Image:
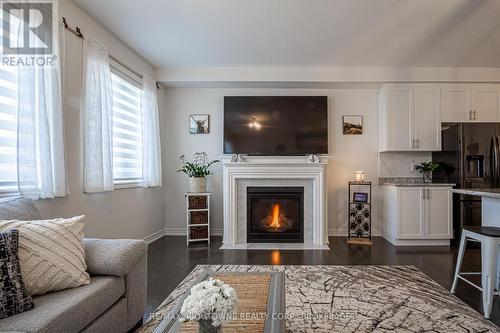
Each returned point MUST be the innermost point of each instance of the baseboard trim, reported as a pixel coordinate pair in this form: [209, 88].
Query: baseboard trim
[219, 232]
[182, 232]
[155, 236]
[343, 233]
[175, 231]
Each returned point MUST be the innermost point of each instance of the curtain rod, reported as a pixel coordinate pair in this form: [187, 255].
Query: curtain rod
[78, 33]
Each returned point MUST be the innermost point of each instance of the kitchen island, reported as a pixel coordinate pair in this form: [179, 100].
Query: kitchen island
[490, 204]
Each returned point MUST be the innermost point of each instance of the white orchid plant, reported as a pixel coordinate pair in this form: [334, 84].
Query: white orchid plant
[211, 300]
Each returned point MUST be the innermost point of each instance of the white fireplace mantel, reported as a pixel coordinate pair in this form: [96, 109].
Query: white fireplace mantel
[275, 169]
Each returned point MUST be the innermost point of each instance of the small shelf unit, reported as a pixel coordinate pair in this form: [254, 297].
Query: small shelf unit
[198, 217]
[359, 213]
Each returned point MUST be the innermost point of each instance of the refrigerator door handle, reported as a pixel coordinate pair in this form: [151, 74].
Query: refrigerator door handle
[492, 161]
[497, 161]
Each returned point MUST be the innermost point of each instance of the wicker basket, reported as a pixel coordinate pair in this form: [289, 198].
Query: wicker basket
[198, 217]
[197, 202]
[199, 232]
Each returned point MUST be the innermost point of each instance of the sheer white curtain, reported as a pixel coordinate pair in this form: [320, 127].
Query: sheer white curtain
[151, 149]
[97, 118]
[40, 137]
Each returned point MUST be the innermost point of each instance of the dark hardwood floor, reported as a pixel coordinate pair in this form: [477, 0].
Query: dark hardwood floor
[170, 260]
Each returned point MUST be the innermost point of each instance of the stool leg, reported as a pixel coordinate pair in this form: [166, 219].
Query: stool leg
[489, 253]
[497, 277]
[460, 258]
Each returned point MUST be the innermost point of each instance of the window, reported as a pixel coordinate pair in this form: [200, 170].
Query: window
[8, 129]
[127, 136]
[8, 126]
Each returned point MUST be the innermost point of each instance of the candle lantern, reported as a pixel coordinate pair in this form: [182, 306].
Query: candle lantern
[359, 176]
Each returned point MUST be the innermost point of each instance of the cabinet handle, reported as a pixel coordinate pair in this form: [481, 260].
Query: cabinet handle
[470, 114]
[474, 112]
[428, 194]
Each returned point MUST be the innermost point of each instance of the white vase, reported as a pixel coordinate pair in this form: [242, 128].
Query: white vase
[198, 184]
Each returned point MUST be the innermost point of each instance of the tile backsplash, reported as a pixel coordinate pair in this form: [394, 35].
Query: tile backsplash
[398, 164]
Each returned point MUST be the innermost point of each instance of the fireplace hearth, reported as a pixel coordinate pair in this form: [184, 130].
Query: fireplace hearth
[275, 214]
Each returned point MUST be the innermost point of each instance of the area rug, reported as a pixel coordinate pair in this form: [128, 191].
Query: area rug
[355, 299]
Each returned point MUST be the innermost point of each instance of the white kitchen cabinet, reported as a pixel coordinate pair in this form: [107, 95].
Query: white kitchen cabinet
[410, 213]
[426, 118]
[455, 104]
[409, 118]
[484, 103]
[470, 103]
[417, 215]
[438, 222]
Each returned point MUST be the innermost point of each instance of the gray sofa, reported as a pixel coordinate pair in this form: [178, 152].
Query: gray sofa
[114, 301]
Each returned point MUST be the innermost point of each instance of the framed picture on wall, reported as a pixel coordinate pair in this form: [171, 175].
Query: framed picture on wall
[352, 125]
[199, 124]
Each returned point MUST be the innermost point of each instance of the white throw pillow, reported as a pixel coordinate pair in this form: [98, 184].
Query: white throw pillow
[51, 252]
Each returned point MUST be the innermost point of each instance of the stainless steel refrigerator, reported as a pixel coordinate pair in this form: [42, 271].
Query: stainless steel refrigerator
[470, 158]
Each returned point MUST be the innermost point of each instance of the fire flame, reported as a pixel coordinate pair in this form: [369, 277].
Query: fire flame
[275, 218]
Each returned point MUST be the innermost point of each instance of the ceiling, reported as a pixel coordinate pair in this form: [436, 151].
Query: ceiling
[305, 33]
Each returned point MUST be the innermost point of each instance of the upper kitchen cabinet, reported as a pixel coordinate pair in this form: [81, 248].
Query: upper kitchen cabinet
[470, 103]
[409, 118]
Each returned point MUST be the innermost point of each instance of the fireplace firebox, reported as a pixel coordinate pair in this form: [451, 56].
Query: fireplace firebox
[275, 214]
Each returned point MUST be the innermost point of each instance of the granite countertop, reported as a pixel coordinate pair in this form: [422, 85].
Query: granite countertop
[410, 182]
[484, 192]
[419, 184]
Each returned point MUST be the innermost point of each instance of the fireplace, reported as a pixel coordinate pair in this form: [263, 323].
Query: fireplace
[275, 214]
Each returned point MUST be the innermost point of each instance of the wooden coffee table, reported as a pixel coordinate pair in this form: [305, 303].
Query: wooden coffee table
[261, 304]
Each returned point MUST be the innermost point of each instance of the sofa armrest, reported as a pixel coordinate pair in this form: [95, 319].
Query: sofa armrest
[113, 256]
[126, 258]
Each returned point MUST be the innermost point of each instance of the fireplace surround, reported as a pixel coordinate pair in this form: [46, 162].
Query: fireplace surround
[289, 171]
[275, 214]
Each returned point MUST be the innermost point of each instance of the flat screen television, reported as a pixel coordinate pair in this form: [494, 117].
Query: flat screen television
[275, 125]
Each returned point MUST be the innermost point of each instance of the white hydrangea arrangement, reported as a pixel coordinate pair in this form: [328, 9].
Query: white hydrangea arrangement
[210, 300]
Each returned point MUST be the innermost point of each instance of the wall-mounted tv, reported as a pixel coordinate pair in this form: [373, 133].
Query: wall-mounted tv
[276, 125]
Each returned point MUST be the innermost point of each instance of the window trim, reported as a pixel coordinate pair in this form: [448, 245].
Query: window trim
[127, 184]
[124, 73]
[8, 194]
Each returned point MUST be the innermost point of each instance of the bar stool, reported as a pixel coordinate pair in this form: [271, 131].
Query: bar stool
[489, 237]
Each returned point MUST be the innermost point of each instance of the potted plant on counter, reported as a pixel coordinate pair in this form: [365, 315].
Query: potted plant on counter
[197, 170]
[426, 168]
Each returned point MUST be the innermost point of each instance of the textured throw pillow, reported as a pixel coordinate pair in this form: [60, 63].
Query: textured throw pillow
[14, 297]
[52, 253]
[18, 208]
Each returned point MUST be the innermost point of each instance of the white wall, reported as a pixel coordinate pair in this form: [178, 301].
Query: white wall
[349, 153]
[125, 213]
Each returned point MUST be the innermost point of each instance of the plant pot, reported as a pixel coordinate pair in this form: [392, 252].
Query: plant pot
[427, 176]
[198, 184]
[205, 326]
